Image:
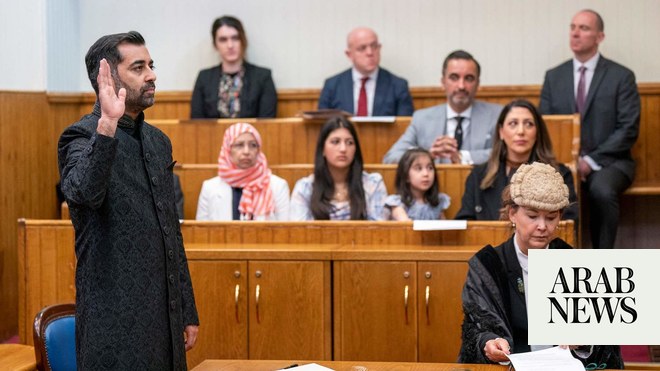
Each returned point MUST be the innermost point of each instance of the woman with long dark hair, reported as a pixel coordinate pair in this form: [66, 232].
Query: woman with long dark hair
[521, 137]
[339, 189]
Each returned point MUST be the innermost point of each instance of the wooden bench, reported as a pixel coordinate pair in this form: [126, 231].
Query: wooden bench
[642, 188]
[451, 180]
[293, 141]
[46, 257]
[312, 275]
[285, 141]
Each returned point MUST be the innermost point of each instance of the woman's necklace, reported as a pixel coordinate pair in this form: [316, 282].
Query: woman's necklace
[341, 193]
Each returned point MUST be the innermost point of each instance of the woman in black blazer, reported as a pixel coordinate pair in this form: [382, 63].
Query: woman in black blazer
[521, 138]
[235, 88]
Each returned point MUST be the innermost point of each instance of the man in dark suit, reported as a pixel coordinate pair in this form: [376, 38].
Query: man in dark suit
[605, 94]
[365, 89]
[459, 131]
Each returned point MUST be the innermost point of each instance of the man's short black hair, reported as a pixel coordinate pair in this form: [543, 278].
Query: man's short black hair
[460, 54]
[106, 47]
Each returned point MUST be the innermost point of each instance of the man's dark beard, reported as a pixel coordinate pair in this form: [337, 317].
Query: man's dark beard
[136, 100]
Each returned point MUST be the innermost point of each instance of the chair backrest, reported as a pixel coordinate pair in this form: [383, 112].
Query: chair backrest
[55, 338]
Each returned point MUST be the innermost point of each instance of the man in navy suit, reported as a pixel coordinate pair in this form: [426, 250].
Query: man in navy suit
[605, 94]
[459, 131]
[366, 89]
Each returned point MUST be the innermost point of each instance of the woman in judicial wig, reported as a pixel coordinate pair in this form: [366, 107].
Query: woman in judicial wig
[495, 292]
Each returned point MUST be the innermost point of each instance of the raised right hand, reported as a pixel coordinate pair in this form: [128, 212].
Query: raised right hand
[112, 103]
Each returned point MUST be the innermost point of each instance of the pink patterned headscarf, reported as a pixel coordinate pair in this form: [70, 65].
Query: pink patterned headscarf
[257, 198]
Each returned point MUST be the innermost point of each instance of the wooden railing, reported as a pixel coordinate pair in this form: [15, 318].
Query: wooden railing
[46, 257]
[293, 140]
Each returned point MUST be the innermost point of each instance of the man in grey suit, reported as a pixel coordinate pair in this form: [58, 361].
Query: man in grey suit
[605, 94]
[459, 131]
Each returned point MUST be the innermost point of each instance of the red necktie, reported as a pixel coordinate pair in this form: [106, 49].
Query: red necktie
[362, 99]
[582, 85]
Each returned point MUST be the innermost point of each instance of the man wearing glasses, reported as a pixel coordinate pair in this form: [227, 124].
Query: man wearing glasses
[366, 89]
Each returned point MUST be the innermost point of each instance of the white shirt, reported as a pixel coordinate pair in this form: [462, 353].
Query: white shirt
[215, 200]
[369, 86]
[452, 123]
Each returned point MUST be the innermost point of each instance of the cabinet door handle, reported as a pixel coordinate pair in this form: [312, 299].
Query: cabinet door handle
[405, 302]
[256, 295]
[428, 294]
[236, 292]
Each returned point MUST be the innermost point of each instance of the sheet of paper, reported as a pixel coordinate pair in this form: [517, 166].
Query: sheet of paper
[309, 367]
[550, 359]
[387, 119]
[439, 225]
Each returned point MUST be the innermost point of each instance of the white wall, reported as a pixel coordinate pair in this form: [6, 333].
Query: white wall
[22, 45]
[63, 46]
[302, 41]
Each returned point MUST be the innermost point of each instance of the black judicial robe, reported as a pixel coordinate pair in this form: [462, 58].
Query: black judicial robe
[494, 306]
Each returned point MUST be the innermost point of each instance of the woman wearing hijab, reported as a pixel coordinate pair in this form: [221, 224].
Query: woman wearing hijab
[245, 188]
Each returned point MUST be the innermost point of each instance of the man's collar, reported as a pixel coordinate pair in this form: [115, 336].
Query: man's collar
[590, 63]
[451, 113]
[125, 121]
[357, 76]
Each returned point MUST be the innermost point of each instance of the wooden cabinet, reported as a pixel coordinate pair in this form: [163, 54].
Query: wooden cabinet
[398, 311]
[289, 310]
[220, 294]
[441, 315]
[374, 321]
[261, 309]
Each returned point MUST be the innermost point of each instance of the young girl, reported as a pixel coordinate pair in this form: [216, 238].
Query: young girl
[418, 196]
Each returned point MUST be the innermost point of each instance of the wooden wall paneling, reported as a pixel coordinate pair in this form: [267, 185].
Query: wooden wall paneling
[233, 235]
[291, 141]
[290, 102]
[27, 165]
[564, 131]
[46, 270]
[646, 155]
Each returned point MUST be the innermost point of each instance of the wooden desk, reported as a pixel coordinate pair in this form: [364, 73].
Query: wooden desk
[17, 357]
[255, 365]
